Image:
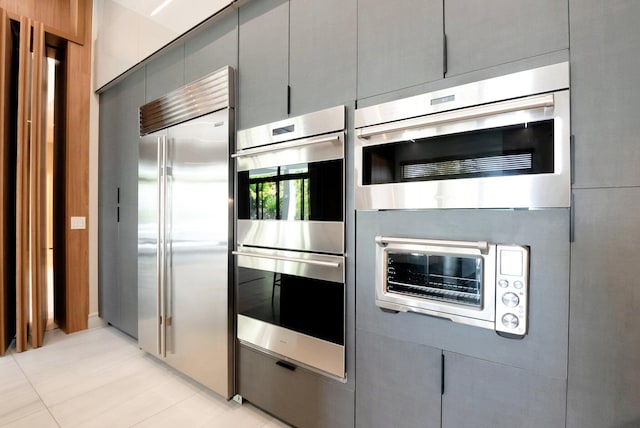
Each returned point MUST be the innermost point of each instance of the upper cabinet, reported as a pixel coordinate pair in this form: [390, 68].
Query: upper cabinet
[483, 34]
[404, 45]
[295, 57]
[400, 44]
[322, 62]
[263, 62]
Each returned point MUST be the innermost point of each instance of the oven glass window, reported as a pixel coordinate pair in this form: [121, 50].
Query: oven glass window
[310, 306]
[309, 191]
[451, 279]
[525, 148]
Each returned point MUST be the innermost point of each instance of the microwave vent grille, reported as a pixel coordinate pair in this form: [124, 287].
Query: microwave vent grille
[484, 165]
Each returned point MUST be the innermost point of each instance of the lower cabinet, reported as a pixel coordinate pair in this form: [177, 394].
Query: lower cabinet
[297, 396]
[483, 394]
[404, 384]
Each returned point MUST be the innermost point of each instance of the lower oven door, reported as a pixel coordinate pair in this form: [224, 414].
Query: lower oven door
[292, 304]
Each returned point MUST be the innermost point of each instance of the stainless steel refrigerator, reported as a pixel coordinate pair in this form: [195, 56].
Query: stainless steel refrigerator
[185, 231]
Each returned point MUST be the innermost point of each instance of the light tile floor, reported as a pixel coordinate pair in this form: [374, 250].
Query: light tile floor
[99, 378]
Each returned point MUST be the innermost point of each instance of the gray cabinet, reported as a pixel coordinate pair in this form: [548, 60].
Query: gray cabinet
[295, 57]
[117, 206]
[296, 395]
[400, 44]
[322, 56]
[483, 394]
[483, 34]
[263, 62]
[605, 95]
[165, 73]
[604, 350]
[399, 383]
[213, 47]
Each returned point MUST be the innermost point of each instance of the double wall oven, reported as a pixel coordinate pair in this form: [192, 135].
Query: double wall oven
[290, 240]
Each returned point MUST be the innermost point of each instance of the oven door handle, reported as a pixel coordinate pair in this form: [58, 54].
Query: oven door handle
[476, 112]
[482, 246]
[289, 259]
[284, 146]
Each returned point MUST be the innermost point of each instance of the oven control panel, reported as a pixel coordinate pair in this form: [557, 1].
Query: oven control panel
[512, 290]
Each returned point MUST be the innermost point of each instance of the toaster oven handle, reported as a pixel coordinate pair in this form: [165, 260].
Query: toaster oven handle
[482, 246]
[288, 259]
[476, 112]
[284, 146]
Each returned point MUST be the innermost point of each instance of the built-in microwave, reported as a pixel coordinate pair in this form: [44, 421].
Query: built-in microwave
[497, 143]
[475, 283]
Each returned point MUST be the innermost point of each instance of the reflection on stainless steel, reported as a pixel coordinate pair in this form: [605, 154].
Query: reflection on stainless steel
[320, 122]
[320, 236]
[184, 232]
[290, 239]
[294, 152]
[315, 353]
[210, 93]
[466, 282]
[515, 85]
[308, 265]
[416, 118]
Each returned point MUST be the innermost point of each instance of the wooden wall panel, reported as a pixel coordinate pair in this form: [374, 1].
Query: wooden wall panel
[64, 18]
[77, 181]
[22, 190]
[7, 295]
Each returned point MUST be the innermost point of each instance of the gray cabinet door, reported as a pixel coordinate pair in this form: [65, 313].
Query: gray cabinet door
[118, 187]
[322, 62]
[399, 383]
[482, 394]
[165, 73]
[482, 34]
[605, 94]
[212, 48]
[263, 62]
[400, 44]
[604, 349]
[296, 395]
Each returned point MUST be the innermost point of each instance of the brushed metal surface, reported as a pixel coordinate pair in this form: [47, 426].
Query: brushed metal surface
[318, 236]
[480, 317]
[308, 125]
[308, 265]
[525, 83]
[317, 149]
[205, 95]
[326, 357]
[149, 207]
[516, 191]
[195, 213]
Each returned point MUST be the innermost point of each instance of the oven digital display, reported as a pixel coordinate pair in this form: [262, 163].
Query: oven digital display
[451, 279]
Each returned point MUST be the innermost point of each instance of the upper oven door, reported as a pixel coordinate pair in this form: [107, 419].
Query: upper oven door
[291, 195]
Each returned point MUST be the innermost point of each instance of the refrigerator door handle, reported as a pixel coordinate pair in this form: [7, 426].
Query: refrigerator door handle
[162, 244]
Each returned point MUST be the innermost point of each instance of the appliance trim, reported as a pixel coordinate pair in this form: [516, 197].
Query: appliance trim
[310, 352]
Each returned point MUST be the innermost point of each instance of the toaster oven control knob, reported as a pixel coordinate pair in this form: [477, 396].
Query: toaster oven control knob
[510, 321]
[518, 285]
[510, 300]
[503, 283]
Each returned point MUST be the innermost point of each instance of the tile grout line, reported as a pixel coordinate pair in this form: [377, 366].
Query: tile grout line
[13, 354]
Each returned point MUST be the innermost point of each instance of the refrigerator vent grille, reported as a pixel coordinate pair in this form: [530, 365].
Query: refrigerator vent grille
[206, 95]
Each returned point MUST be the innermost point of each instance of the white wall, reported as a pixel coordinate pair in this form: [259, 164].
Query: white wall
[128, 31]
